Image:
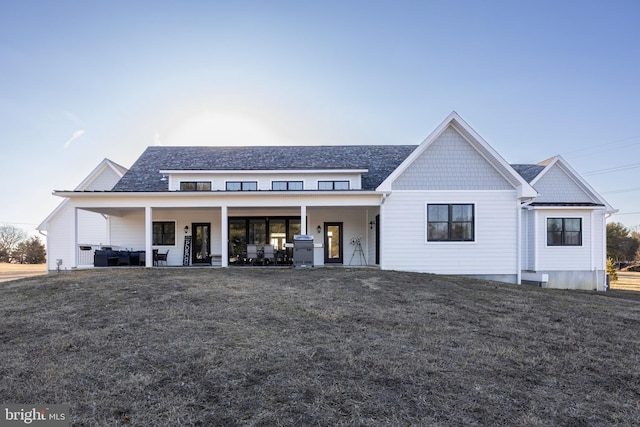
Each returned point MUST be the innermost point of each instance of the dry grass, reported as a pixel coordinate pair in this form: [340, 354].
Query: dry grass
[18, 271]
[627, 280]
[317, 347]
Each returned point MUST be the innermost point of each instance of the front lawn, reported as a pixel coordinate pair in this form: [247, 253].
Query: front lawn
[179, 347]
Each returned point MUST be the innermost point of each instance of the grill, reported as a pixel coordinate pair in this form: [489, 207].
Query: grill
[303, 250]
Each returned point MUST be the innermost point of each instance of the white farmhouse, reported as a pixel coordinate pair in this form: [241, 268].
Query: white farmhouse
[451, 205]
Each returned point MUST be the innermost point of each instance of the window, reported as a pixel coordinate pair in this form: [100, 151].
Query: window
[564, 231]
[242, 186]
[286, 185]
[333, 185]
[195, 186]
[450, 223]
[164, 233]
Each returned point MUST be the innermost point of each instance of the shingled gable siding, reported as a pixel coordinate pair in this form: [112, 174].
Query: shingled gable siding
[450, 163]
[556, 186]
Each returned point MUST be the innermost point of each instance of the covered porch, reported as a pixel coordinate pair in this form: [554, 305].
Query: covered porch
[232, 234]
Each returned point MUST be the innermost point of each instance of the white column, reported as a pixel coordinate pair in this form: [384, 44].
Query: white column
[148, 236]
[519, 243]
[75, 239]
[303, 219]
[224, 232]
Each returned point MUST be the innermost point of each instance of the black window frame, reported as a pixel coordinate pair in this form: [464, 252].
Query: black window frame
[562, 236]
[287, 185]
[451, 235]
[243, 185]
[197, 185]
[333, 185]
[166, 236]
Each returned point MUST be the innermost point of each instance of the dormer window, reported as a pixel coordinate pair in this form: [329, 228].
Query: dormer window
[195, 186]
[286, 185]
[242, 186]
[333, 185]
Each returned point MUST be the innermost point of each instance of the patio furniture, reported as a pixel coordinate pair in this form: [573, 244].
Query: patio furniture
[159, 257]
[252, 254]
[269, 255]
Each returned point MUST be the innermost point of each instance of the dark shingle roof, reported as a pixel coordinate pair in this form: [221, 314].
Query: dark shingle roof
[528, 172]
[380, 160]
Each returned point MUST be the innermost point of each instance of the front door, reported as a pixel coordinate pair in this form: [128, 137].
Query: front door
[201, 246]
[333, 242]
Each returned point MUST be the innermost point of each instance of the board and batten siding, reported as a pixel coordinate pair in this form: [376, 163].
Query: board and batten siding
[493, 251]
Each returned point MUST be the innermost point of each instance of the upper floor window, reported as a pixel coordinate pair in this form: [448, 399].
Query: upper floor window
[242, 186]
[564, 231]
[451, 222]
[195, 186]
[164, 233]
[286, 185]
[333, 185]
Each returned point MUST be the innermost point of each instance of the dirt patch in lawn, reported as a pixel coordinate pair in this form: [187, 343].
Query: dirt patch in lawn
[317, 347]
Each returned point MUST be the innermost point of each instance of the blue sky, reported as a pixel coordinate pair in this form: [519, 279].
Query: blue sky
[82, 81]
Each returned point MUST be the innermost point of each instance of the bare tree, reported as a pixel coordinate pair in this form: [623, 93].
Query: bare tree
[10, 237]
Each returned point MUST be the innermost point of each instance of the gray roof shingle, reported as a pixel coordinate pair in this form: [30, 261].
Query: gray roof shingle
[528, 172]
[380, 160]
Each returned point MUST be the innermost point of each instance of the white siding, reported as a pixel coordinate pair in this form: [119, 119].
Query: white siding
[451, 163]
[564, 257]
[127, 231]
[104, 181]
[60, 240]
[354, 224]
[494, 251]
[310, 182]
[92, 228]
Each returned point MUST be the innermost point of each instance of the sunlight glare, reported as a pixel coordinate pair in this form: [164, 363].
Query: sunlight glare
[222, 129]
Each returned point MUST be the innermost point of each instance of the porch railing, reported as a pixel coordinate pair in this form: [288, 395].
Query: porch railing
[87, 250]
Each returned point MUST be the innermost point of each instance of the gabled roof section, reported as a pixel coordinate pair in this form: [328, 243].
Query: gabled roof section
[478, 143]
[95, 174]
[558, 163]
[379, 160]
[92, 180]
[528, 172]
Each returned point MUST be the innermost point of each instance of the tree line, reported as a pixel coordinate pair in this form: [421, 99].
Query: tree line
[623, 244]
[17, 247]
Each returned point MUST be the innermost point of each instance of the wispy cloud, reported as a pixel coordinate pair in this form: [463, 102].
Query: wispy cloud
[156, 138]
[77, 134]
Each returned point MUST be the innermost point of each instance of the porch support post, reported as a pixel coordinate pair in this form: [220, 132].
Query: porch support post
[75, 239]
[518, 243]
[224, 232]
[303, 219]
[148, 233]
